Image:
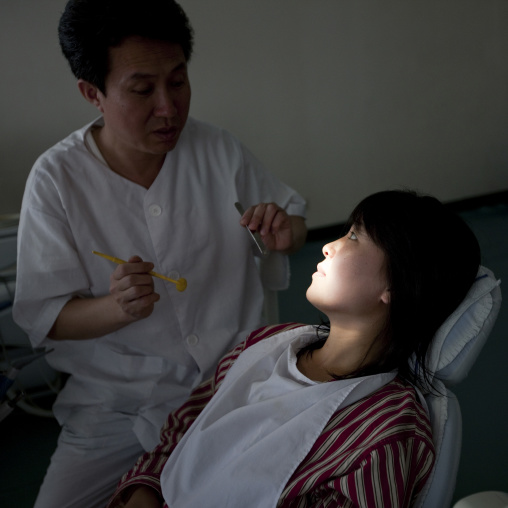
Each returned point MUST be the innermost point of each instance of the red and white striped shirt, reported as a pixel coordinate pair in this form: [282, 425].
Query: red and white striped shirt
[377, 452]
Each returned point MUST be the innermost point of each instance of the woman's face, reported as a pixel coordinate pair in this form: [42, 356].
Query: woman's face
[351, 282]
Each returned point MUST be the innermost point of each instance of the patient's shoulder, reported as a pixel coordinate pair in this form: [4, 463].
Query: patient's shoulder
[394, 412]
[269, 331]
[254, 337]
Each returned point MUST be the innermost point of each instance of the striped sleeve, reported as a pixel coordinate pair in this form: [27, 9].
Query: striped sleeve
[388, 476]
[375, 453]
[149, 466]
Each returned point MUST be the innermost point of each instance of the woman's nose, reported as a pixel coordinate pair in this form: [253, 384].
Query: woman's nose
[328, 250]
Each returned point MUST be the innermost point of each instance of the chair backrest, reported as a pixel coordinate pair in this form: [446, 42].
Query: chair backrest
[8, 238]
[487, 499]
[454, 350]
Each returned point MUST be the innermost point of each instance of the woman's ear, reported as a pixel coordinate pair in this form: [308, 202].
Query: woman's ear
[386, 296]
[91, 93]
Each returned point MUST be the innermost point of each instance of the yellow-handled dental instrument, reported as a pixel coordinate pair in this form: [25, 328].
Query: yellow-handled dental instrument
[181, 284]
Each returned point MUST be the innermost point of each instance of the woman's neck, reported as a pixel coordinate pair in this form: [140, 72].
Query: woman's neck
[344, 352]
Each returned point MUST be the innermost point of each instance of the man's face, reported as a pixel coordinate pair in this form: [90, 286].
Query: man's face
[147, 97]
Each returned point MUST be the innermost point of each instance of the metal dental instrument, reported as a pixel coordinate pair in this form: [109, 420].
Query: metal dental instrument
[254, 234]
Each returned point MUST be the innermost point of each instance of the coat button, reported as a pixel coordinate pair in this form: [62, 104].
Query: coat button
[155, 210]
[192, 340]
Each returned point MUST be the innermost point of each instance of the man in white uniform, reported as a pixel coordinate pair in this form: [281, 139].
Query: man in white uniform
[147, 184]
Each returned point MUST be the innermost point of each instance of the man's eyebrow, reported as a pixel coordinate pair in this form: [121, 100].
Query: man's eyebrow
[138, 76]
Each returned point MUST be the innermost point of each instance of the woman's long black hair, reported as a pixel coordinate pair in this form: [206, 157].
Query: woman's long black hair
[432, 259]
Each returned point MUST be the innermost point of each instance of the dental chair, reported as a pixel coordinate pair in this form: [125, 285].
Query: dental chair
[34, 378]
[488, 499]
[455, 348]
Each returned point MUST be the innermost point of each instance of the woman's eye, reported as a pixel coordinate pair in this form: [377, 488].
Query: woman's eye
[352, 235]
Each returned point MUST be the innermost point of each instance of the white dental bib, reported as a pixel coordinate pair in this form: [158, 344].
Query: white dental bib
[260, 425]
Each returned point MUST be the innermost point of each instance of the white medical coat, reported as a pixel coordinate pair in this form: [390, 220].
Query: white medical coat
[187, 225]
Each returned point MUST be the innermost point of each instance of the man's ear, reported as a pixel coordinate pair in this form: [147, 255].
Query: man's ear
[91, 93]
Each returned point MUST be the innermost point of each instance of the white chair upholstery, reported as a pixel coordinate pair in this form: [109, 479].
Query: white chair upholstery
[489, 499]
[454, 350]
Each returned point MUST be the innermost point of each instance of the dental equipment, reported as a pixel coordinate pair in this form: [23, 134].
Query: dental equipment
[254, 234]
[7, 378]
[181, 284]
[7, 406]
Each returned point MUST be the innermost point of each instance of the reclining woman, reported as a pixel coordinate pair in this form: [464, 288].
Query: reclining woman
[307, 416]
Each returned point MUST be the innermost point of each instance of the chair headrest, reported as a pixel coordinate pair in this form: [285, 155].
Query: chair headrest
[461, 337]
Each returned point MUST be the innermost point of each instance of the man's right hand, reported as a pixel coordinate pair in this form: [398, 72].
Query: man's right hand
[133, 289]
[132, 297]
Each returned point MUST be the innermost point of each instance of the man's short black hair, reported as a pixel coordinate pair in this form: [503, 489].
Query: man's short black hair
[88, 28]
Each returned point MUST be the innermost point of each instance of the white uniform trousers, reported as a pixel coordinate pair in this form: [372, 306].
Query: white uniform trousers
[84, 470]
